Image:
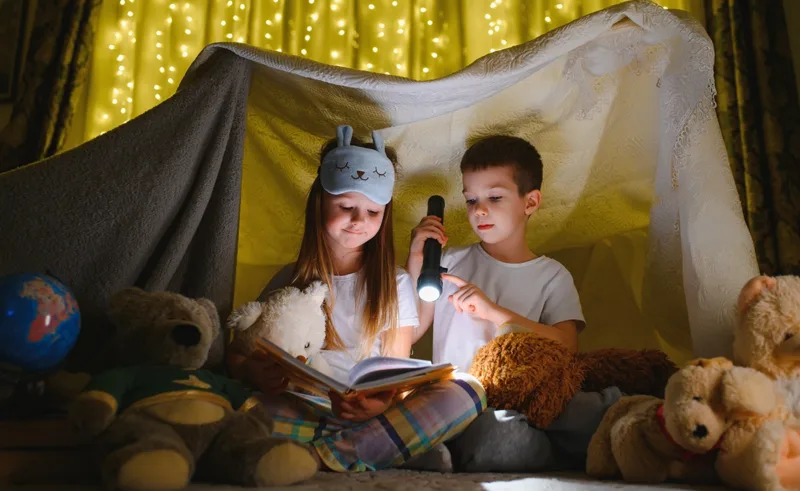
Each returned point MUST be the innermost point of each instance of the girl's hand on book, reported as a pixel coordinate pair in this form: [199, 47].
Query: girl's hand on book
[267, 375]
[361, 408]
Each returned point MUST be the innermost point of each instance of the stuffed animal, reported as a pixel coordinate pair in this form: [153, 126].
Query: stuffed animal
[290, 318]
[761, 452]
[160, 419]
[647, 439]
[538, 376]
[764, 453]
[767, 333]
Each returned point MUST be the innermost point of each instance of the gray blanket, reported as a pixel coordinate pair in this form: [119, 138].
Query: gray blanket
[153, 203]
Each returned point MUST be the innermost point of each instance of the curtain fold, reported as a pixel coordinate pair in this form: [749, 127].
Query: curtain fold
[55, 68]
[757, 107]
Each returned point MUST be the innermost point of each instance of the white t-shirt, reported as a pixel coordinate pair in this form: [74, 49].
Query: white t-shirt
[347, 316]
[540, 289]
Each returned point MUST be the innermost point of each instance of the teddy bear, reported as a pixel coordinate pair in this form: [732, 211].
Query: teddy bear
[538, 376]
[764, 453]
[760, 452]
[291, 318]
[647, 439]
[767, 332]
[159, 418]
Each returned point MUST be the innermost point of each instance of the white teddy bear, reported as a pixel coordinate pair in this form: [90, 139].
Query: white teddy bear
[290, 318]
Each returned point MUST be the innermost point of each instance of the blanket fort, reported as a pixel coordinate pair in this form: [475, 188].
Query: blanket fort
[204, 194]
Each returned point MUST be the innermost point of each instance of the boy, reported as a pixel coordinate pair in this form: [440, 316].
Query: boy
[498, 285]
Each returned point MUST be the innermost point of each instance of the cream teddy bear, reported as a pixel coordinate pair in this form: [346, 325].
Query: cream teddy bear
[759, 453]
[647, 439]
[767, 335]
[764, 454]
[291, 318]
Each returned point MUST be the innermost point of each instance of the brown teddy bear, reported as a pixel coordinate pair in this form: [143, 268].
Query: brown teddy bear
[538, 376]
[647, 439]
[160, 418]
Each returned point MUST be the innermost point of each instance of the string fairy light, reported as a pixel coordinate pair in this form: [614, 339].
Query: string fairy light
[121, 51]
[160, 59]
[176, 36]
[497, 29]
[410, 38]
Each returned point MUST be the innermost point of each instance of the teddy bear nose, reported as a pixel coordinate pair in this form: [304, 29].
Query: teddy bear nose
[700, 431]
[360, 173]
[186, 335]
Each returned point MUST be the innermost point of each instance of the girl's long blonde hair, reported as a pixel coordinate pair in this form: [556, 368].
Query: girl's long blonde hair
[377, 279]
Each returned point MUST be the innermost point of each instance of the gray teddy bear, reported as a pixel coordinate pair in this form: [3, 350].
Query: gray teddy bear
[161, 418]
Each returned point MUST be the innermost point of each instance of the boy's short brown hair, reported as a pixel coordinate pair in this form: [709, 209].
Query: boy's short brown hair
[500, 150]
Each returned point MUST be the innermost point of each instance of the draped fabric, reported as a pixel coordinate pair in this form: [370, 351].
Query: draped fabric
[639, 201]
[204, 193]
[144, 47]
[760, 119]
[153, 204]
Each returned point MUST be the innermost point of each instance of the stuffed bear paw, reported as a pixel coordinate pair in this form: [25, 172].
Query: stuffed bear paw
[767, 461]
[91, 415]
[154, 470]
[788, 467]
[285, 463]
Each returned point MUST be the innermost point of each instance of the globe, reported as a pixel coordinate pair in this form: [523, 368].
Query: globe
[39, 322]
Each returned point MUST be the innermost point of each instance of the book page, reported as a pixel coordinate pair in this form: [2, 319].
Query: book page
[406, 381]
[307, 378]
[380, 367]
[300, 373]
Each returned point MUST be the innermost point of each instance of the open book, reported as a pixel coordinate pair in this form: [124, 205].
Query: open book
[369, 376]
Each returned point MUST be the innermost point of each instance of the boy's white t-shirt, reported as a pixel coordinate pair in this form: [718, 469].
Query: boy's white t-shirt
[347, 316]
[540, 289]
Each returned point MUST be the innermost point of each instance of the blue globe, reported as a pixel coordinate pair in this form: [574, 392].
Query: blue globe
[39, 322]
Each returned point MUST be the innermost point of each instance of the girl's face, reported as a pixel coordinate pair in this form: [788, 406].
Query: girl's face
[350, 220]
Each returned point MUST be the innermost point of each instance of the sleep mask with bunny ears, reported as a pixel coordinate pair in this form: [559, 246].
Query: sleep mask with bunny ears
[349, 168]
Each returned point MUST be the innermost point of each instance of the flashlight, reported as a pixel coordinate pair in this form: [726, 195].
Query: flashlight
[429, 285]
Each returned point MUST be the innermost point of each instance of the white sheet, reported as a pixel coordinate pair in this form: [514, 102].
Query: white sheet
[639, 201]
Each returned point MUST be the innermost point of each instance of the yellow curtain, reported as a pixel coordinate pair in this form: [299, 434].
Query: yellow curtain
[143, 47]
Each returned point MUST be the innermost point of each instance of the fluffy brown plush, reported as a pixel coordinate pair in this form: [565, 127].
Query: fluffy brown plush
[538, 376]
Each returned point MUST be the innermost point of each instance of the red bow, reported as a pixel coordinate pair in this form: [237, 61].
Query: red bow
[686, 455]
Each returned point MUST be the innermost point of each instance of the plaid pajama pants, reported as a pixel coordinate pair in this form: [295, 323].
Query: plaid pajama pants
[425, 418]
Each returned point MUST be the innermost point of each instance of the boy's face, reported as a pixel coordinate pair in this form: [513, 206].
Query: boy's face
[495, 209]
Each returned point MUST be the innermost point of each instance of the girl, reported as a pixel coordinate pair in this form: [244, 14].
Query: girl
[371, 310]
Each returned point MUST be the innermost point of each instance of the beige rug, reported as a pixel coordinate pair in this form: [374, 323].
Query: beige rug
[401, 480]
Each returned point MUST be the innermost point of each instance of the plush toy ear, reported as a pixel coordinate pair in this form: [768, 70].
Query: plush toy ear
[380, 146]
[245, 316]
[211, 310]
[752, 290]
[318, 290]
[344, 134]
[124, 305]
[747, 393]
